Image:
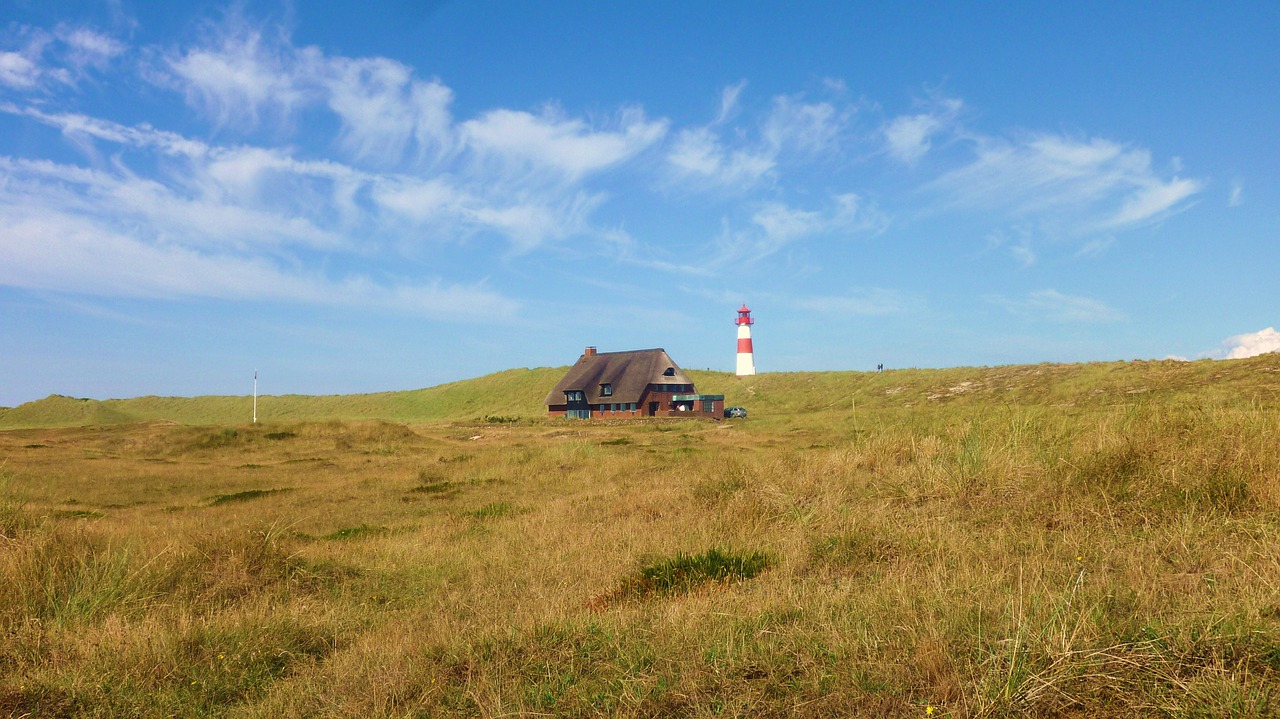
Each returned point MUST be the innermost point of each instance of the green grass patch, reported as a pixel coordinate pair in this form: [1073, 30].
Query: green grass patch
[441, 488]
[493, 510]
[363, 531]
[685, 573]
[245, 496]
[78, 514]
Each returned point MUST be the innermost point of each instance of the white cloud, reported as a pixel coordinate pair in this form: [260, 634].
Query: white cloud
[1236, 198]
[908, 136]
[65, 253]
[717, 156]
[1055, 306]
[803, 127]
[729, 102]
[18, 71]
[89, 49]
[698, 155]
[1252, 344]
[242, 76]
[1095, 247]
[506, 171]
[867, 302]
[421, 201]
[58, 59]
[153, 209]
[1066, 186]
[1023, 253]
[775, 226]
[568, 146]
[1017, 241]
[384, 110]
[530, 223]
[141, 136]
[1150, 202]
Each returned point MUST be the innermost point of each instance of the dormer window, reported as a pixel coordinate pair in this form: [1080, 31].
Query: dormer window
[606, 390]
[669, 372]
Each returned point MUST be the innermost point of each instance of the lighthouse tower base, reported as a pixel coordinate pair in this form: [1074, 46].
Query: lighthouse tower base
[746, 354]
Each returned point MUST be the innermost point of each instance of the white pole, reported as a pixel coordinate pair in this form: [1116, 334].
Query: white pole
[255, 396]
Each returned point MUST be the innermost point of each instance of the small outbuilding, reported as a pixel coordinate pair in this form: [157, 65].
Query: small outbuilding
[632, 384]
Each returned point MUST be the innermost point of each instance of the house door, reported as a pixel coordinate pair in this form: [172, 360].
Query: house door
[653, 409]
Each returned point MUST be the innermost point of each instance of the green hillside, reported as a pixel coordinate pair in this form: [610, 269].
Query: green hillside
[794, 395]
[516, 392]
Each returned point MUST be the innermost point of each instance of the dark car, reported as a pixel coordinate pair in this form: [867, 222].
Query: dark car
[735, 412]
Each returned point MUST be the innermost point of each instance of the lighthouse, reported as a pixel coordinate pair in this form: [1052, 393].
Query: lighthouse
[746, 356]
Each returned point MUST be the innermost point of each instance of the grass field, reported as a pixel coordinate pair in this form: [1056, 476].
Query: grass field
[1049, 540]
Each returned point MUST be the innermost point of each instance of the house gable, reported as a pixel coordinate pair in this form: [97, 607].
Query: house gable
[634, 384]
[619, 377]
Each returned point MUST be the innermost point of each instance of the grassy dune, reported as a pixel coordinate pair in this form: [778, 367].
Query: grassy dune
[787, 396]
[513, 392]
[1052, 540]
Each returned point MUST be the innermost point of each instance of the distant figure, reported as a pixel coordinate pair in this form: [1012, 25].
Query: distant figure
[880, 368]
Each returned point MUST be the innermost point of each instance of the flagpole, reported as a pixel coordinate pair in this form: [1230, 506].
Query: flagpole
[255, 396]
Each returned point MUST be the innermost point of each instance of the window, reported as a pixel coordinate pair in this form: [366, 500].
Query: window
[606, 390]
[574, 395]
[669, 372]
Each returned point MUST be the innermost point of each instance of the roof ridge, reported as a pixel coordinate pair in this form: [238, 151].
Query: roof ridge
[627, 352]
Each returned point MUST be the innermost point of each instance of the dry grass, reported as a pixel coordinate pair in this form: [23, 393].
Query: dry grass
[979, 556]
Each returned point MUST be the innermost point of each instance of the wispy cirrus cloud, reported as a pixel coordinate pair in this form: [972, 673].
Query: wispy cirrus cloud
[1066, 187]
[1054, 306]
[775, 226]
[87, 49]
[521, 142]
[866, 302]
[17, 70]
[1236, 196]
[47, 249]
[242, 76]
[699, 156]
[720, 156]
[385, 111]
[909, 137]
[79, 126]
[45, 60]
[514, 173]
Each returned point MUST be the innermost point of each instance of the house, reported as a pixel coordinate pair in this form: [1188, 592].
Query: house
[637, 383]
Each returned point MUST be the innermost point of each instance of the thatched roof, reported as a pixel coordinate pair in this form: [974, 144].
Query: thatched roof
[628, 372]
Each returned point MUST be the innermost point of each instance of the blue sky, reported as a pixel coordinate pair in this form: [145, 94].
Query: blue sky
[393, 195]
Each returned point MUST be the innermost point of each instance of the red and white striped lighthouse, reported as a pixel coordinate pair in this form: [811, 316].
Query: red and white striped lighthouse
[746, 355]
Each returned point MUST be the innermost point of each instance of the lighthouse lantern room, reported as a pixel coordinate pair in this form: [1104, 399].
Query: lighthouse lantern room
[746, 355]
